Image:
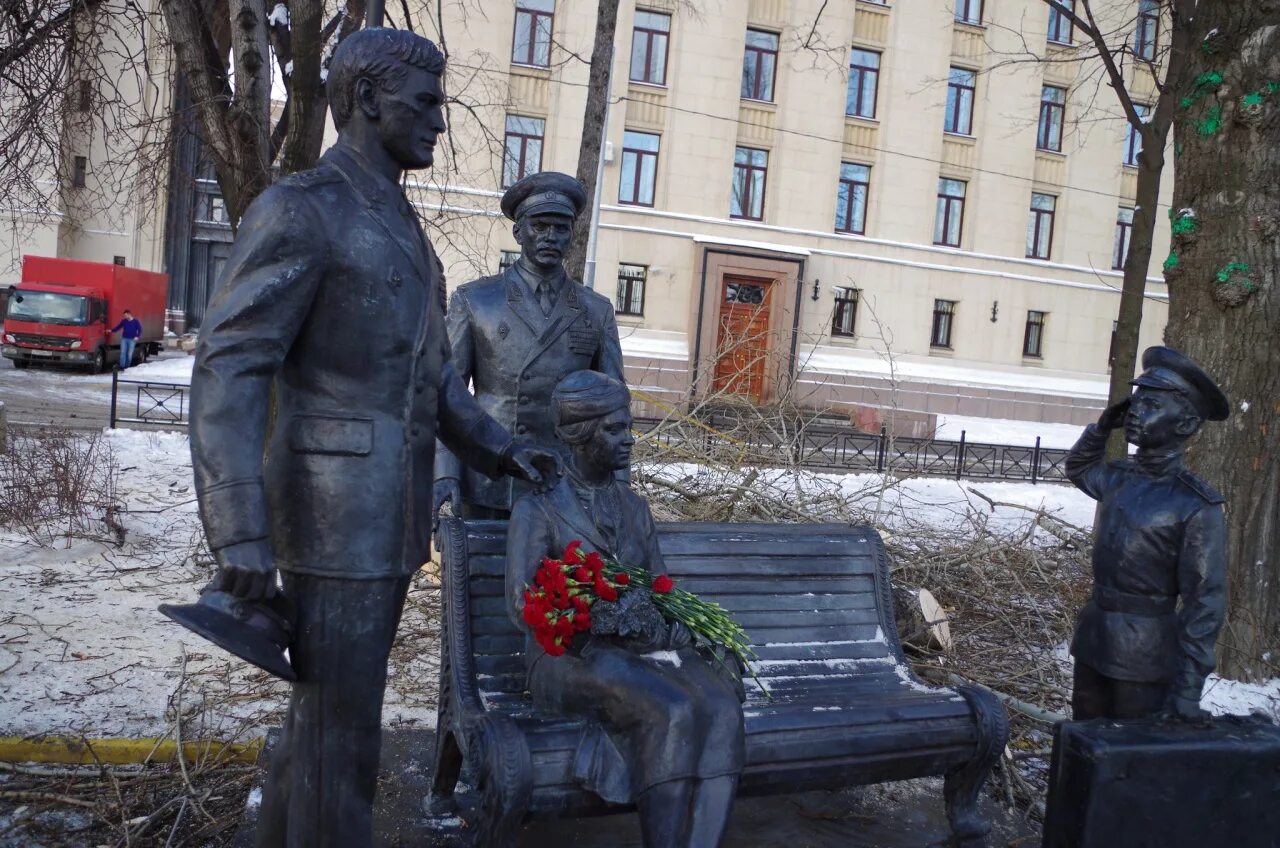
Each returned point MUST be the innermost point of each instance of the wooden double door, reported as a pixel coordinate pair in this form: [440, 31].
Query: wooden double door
[742, 338]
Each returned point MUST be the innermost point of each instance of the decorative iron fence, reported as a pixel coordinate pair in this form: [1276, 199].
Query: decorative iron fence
[163, 404]
[827, 447]
[823, 446]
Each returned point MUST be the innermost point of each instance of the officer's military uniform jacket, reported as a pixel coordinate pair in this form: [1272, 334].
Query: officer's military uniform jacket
[330, 296]
[1159, 562]
[514, 355]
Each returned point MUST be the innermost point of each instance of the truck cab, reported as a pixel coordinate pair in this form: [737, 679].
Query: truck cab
[56, 322]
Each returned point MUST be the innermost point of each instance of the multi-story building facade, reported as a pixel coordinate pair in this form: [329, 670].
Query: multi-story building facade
[855, 204]
[823, 188]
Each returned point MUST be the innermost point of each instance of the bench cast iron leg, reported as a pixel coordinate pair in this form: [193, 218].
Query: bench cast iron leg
[444, 775]
[505, 772]
[963, 783]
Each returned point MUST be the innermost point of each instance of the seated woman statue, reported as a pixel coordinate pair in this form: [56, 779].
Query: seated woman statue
[669, 736]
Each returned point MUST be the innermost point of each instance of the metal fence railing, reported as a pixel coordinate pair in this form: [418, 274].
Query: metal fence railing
[829, 447]
[148, 402]
[823, 446]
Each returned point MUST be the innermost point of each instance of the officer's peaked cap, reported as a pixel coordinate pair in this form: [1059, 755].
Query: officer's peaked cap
[1168, 370]
[548, 192]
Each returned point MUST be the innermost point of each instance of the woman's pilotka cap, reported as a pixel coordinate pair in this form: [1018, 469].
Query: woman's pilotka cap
[585, 395]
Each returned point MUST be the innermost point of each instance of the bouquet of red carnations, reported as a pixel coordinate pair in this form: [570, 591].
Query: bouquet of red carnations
[558, 604]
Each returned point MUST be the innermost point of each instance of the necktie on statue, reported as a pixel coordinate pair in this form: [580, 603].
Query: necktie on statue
[544, 298]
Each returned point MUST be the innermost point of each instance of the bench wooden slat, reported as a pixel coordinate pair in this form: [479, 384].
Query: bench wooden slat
[487, 586]
[867, 741]
[489, 537]
[840, 650]
[726, 565]
[481, 605]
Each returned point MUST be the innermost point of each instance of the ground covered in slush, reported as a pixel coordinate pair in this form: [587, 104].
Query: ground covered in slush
[97, 529]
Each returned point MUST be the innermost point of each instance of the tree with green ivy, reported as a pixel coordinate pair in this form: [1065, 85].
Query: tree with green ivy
[1224, 304]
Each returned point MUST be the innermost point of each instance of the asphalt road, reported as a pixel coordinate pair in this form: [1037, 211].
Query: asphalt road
[59, 397]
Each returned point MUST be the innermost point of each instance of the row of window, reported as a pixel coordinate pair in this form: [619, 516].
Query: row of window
[638, 177]
[942, 331]
[651, 34]
[629, 300]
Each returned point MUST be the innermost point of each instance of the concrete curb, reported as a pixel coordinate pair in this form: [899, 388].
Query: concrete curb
[75, 750]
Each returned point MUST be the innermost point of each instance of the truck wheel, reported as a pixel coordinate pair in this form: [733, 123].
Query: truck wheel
[99, 362]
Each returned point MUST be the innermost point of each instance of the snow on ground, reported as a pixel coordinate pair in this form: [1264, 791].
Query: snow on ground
[827, 359]
[1005, 431]
[169, 369]
[83, 648]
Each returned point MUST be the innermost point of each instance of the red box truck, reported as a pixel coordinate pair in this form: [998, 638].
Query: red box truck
[63, 309]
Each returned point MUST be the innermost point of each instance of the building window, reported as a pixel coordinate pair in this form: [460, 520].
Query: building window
[523, 149]
[1133, 138]
[950, 215]
[1040, 226]
[969, 12]
[759, 63]
[851, 198]
[845, 319]
[750, 167]
[1111, 349]
[1033, 338]
[1061, 29]
[1124, 230]
[1148, 32]
[532, 42]
[506, 259]
[1053, 102]
[631, 280]
[864, 80]
[649, 47]
[960, 85]
[118, 260]
[80, 172]
[944, 313]
[215, 211]
[639, 168]
[86, 95]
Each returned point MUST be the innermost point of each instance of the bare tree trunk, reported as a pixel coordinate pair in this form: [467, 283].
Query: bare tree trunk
[593, 130]
[1224, 300]
[1133, 290]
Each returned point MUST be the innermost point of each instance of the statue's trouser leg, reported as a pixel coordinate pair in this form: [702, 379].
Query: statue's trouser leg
[1090, 693]
[1138, 700]
[664, 813]
[324, 774]
[712, 804]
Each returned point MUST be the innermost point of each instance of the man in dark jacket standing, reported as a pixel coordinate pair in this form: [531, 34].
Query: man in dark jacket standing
[515, 335]
[339, 498]
[130, 330]
[1160, 538]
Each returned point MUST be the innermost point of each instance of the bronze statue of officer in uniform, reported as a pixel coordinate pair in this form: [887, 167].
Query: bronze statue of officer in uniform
[516, 334]
[1160, 539]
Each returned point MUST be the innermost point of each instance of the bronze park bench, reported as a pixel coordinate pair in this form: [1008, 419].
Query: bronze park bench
[815, 600]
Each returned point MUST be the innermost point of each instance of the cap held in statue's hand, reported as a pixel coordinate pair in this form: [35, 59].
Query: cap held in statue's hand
[545, 193]
[1168, 370]
[258, 632]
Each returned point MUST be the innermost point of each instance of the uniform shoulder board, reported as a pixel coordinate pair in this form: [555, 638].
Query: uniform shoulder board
[1200, 487]
[311, 177]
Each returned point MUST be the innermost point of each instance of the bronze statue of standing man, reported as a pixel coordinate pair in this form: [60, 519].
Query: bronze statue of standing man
[515, 335]
[330, 298]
